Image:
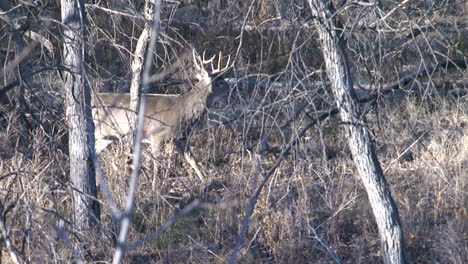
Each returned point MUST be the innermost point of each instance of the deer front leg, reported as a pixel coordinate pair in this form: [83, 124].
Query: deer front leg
[155, 145]
[184, 149]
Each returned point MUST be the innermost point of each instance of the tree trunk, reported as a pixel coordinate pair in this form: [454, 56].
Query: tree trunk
[359, 139]
[137, 66]
[79, 118]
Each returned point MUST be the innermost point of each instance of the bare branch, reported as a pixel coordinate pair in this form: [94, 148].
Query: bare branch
[189, 208]
[128, 212]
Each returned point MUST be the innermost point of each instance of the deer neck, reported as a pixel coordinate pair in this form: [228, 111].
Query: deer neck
[195, 100]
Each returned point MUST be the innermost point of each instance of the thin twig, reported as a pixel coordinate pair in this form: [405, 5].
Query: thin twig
[61, 234]
[116, 213]
[6, 238]
[332, 254]
[253, 199]
[128, 212]
[189, 208]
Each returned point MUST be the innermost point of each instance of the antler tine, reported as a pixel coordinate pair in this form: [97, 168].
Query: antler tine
[205, 61]
[196, 59]
[218, 68]
[200, 62]
[219, 59]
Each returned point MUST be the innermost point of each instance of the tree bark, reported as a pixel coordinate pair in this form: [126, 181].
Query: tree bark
[359, 138]
[79, 117]
[137, 65]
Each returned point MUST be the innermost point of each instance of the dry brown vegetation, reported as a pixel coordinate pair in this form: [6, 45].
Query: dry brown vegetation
[313, 207]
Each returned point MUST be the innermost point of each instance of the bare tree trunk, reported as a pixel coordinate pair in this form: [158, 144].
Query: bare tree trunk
[359, 139]
[79, 118]
[137, 65]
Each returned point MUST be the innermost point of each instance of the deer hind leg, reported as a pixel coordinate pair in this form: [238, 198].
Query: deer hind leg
[101, 144]
[183, 148]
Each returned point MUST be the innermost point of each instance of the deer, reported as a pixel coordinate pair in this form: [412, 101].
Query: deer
[167, 117]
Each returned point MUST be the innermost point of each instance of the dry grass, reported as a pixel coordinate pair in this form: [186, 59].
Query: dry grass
[313, 199]
[427, 169]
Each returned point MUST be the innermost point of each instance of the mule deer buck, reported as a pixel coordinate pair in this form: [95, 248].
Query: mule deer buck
[167, 117]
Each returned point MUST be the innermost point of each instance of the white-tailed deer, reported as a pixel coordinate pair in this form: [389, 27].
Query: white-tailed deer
[167, 117]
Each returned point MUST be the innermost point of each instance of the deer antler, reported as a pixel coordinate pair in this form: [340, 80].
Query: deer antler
[199, 62]
[218, 68]
[205, 61]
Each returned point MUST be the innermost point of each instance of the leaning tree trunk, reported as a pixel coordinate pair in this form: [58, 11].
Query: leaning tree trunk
[137, 65]
[78, 113]
[359, 139]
